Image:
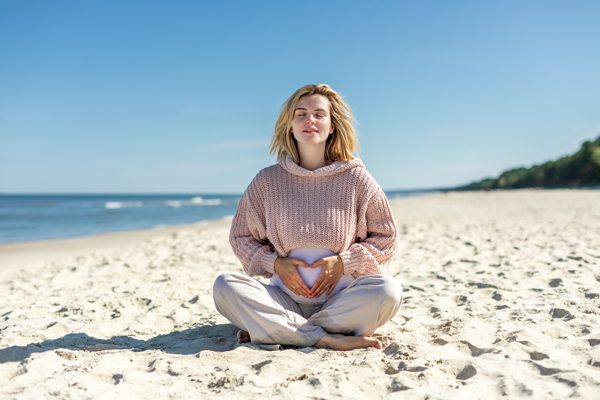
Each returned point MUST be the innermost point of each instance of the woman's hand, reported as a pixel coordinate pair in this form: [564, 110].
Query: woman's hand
[332, 272]
[286, 269]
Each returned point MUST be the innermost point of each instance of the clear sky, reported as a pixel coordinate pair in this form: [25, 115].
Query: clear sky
[182, 96]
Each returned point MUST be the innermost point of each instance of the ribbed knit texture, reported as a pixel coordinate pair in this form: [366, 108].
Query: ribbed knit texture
[338, 207]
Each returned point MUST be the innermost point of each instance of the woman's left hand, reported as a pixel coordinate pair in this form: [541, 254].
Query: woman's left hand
[332, 272]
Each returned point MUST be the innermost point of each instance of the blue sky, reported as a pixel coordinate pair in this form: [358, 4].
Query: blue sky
[182, 96]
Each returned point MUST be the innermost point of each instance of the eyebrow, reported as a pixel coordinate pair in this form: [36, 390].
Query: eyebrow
[302, 108]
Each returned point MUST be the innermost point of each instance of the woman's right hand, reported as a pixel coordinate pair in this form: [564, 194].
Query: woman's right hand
[285, 268]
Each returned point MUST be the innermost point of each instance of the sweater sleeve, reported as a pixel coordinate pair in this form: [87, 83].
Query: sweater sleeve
[370, 255]
[248, 235]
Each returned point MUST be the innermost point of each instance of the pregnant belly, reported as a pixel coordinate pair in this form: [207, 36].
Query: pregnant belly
[310, 255]
[310, 275]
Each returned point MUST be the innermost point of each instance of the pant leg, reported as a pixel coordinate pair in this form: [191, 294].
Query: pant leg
[265, 311]
[366, 304]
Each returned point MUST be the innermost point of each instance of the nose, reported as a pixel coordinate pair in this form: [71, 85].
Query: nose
[309, 119]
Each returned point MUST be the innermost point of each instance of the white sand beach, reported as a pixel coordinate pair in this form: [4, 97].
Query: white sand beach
[502, 299]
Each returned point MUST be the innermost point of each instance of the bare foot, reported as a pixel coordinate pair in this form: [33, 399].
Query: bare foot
[344, 342]
[243, 336]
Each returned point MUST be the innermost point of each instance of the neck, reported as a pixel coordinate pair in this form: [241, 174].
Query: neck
[312, 157]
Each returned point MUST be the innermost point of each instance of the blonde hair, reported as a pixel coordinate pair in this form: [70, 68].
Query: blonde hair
[339, 146]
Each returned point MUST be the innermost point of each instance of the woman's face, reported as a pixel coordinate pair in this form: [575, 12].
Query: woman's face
[312, 120]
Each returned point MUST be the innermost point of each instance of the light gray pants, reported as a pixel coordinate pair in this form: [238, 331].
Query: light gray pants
[272, 317]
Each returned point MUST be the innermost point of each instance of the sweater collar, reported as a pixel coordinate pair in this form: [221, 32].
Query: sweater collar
[288, 164]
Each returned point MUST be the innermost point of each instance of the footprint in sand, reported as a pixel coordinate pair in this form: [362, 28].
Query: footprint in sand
[545, 371]
[63, 312]
[391, 349]
[151, 367]
[5, 316]
[391, 370]
[395, 351]
[537, 356]
[258, 366]
[561, 313]
[397, 386]
[467, 372]
[555, 282]
[461, 300]
[476, 351]
[567, 382]
[117, 378]
[416, 368]
[594, 363]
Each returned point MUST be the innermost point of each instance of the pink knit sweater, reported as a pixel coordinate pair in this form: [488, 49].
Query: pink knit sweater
[338, 207]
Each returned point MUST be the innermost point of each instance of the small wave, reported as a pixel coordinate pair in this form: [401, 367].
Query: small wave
[196, 201]
[206, 202]
[113, 205]
[175, 203]
[213, 202]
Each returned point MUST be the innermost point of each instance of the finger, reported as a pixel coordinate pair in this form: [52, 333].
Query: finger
[298, 262]
[302, 289]
[324, 289]
[299, 287]
[295, 280]
[294, 288]
[330, 290]
[318, 283]
[326, 281]
[291, 284]
[319, 286]
[324, 276]
[316, 264]
[305, 289]
[299, 282]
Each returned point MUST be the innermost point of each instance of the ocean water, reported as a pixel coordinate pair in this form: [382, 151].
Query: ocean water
[40, 217]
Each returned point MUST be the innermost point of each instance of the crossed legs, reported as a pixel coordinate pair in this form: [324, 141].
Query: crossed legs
[345, 321]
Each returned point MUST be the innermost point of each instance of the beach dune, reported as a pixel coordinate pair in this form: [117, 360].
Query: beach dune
[502, 299]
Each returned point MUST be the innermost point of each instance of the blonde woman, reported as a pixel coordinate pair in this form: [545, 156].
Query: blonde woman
[319, 226]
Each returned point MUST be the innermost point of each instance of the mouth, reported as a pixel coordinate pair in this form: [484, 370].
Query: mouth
[310, 131]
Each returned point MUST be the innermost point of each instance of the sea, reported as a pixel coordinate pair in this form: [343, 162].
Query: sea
[30, 217]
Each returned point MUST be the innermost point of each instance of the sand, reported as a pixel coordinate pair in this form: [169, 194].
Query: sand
[501, 300]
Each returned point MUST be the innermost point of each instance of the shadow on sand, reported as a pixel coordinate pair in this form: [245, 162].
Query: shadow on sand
[189, 341]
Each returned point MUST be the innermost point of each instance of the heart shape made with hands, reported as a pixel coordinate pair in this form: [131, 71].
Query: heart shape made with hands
[309, 255]
[310, 275]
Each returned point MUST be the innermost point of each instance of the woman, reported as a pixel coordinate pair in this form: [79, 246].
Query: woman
[321, 228]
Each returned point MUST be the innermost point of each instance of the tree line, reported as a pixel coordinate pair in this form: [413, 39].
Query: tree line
[581, 169]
